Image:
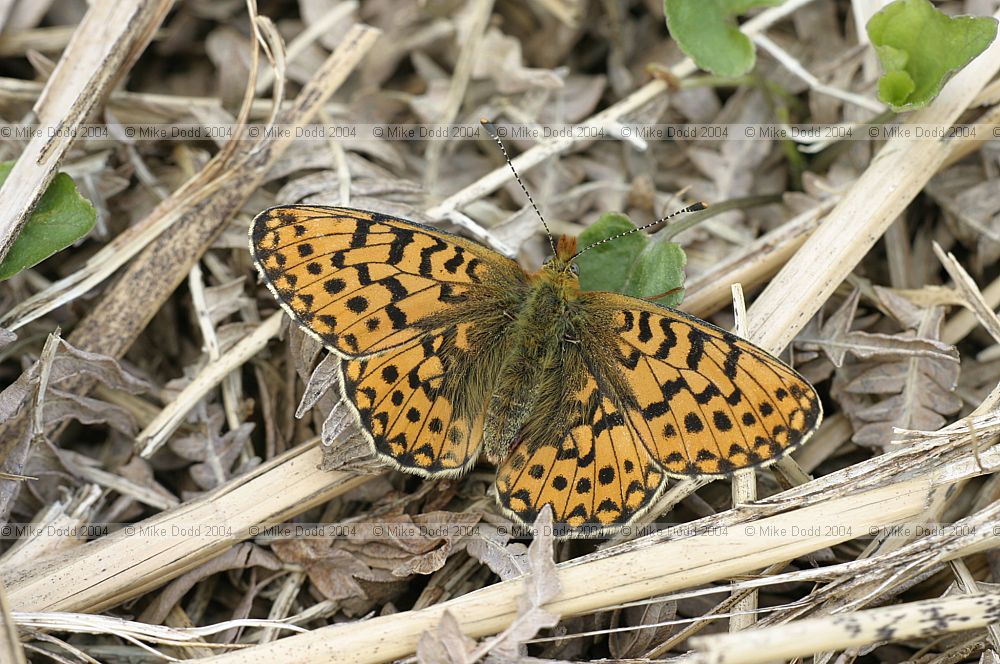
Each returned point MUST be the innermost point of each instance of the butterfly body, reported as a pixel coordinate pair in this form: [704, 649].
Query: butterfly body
[585, 401]
[529, 375]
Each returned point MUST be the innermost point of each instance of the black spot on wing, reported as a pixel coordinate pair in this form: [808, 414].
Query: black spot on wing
[358, 304]
[693, 423]
[628, 323]
[731, 365]
[606, 422]
[360, 236]
[470, 270]
[402, 239]
[455, 262]
[722, 421]
[426, 268]
[710, 392]
[396, 316]
[645, 333]
[669, 340]
[632, 360]
[395, 287]
[697, 339]
[364, 275]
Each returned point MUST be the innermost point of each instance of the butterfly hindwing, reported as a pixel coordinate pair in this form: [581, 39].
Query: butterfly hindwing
[363, 282]
[590, 465]
[417, 406]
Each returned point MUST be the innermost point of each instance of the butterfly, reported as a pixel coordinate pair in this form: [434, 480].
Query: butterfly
[585, 401]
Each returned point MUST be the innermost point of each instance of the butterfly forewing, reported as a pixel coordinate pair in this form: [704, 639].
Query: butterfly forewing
[417, 315]
[704, 401]
[363, 282]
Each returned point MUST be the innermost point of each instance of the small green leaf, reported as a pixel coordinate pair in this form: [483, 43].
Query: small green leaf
[707, 32]
[61, 217]
[920, 48]
[659, 269]
[632, 265]
[895, 85]
[606, 266]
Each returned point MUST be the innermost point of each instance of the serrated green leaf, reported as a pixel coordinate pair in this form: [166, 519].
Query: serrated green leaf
[920, 48]
[632, 265]
[61, 217]
[707, 32]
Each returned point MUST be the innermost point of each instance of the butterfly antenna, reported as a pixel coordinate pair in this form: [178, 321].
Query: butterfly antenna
[489, 126]
[691, 208]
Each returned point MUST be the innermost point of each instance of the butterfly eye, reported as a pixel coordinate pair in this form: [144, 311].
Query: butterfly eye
[575, 269]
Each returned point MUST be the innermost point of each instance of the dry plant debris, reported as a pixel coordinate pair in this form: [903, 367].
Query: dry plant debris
[168, 442]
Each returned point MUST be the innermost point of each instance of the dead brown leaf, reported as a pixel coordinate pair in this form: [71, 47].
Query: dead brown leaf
[242, 556]
[635, 642]
[909, 390]
[541, 585]
[446, 644]
[836, 339]
[215, 452]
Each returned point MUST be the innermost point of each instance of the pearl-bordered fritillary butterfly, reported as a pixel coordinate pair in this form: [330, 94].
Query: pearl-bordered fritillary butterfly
[585, 401]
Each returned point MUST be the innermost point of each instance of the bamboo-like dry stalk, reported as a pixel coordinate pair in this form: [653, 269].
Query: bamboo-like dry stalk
[849, 630]
[109, 570]
[52, 39]
[10, 645]
[753, 264]
[672, 565]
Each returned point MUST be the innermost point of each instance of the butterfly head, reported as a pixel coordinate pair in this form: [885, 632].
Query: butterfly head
[561, 271]
[563, 261]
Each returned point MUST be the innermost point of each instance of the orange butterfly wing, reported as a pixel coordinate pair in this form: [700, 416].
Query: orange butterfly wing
[363, 282]
[422, 318]
[415, 313]
[416, 405]
[706, 401]
[596, 472]
[653, 392]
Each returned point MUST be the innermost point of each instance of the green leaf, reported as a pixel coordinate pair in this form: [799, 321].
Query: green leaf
[633, 265]
[659, 269]
[606, 267]
[61, 217]
[707, 32]
[920, 48]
